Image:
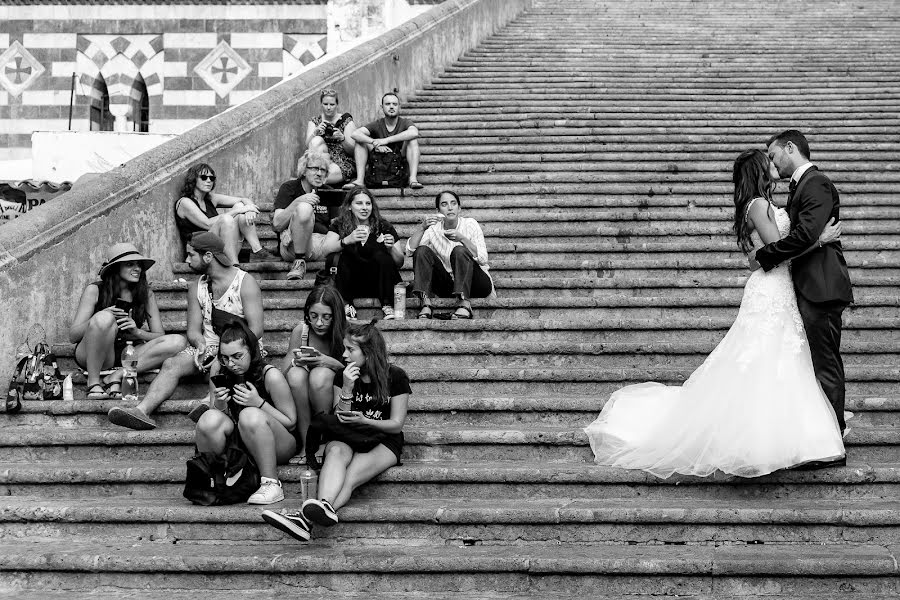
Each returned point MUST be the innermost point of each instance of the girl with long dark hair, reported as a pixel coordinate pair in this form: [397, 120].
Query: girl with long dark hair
[754, 405]
[314, 356]
[370, 253]
[254, 397]
[371, 394]
[114, 311]
[197, 210]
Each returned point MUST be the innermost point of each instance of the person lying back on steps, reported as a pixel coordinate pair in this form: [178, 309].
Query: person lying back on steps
[222, 295]
[449, 257]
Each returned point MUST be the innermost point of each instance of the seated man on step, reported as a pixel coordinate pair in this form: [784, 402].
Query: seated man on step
[222, 295]
[392, 134]
[449, 257]
[300, 220]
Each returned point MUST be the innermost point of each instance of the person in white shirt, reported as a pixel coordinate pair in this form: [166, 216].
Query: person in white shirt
[449, 258]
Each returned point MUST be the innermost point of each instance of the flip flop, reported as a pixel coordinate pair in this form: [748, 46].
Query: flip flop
[415, 185]
[97, 392]
[456, 316]
[425, 313]
[299, 459]
[351, 185]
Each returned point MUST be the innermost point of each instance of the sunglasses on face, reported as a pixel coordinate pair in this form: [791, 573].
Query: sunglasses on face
[208, 177]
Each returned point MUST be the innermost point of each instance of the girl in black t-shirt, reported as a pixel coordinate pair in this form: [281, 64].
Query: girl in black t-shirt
[370, 392]
[370, 261]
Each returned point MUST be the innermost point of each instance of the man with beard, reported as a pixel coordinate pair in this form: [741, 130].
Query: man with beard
[392, 133]
[222, 295]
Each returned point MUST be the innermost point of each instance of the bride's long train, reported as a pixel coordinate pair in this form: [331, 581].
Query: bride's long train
[753, 407]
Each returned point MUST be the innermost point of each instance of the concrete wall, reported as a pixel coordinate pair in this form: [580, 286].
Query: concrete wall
[48, 256]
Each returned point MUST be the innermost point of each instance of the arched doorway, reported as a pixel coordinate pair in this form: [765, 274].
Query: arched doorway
[101, 118]
[140, 105]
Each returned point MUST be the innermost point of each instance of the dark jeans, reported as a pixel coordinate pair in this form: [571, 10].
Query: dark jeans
[372, 277]
[431, 279]
[822, 322]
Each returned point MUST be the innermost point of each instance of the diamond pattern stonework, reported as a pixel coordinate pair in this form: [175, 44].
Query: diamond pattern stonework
[223, 69]
[18, 69]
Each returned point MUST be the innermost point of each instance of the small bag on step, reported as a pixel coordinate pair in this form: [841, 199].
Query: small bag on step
[36, 375]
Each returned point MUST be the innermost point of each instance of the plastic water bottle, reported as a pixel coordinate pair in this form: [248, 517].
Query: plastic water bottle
[309, 483]
[68, 394]
[129, 381]
[400, 301]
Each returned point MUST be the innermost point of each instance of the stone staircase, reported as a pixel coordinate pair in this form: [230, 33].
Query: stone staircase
[593, 141]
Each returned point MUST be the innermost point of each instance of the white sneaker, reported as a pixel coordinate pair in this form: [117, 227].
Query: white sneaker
[268, 493]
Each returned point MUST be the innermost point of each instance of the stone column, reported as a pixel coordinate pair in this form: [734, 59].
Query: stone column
[121, 112]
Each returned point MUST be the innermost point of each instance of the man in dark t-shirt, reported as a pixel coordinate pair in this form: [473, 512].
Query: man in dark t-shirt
[300, 221]
[392, 133]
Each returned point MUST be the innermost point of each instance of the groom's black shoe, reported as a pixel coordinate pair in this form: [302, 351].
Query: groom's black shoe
[815, 465]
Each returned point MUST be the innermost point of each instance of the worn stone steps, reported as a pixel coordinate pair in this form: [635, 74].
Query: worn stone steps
[424, 411]
[460, 522]
[461, 443]
[100, 478]
[799, 570]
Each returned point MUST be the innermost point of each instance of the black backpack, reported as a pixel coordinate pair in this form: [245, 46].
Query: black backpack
[386, 169]
[228, 478]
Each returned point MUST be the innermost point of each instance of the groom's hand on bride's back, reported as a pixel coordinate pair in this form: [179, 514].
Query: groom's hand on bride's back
[751, 258]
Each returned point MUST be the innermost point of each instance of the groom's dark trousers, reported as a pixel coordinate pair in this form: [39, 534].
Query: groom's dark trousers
[820, 278]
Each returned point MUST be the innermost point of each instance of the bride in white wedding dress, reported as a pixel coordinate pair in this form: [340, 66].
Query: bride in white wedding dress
[754, 405]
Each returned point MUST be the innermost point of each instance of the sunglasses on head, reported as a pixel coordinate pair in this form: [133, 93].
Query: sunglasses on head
[208, 177]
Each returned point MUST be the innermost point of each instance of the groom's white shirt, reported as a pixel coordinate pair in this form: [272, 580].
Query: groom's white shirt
[799, 171]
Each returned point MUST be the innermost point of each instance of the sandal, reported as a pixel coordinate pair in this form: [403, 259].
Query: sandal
[415, 185]
[96, 391]
[114, 389]
[457, 316]
[425, 313]
[299, 459]
[351, 185]
[388, 312]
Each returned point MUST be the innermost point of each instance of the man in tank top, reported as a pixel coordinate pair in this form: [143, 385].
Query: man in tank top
[222, 294]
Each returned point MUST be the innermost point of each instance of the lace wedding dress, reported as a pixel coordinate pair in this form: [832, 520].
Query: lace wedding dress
[754, 405]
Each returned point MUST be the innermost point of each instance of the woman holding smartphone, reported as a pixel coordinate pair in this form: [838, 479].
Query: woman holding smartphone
[112, 312]
[370, 260]
[313, 358]
[255, 397]
[370, 396]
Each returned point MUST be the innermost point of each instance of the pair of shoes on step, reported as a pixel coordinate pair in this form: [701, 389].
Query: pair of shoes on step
[298, 524]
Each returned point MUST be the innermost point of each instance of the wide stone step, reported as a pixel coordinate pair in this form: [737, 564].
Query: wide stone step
[424, 411]
[533, 443]
[494, 478]
[311, 568]
[469, 522]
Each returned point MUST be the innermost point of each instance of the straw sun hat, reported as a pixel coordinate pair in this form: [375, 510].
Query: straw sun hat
[124, 252]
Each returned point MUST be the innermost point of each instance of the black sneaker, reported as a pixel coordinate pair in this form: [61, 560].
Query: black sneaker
[292, 523]
[319, 512]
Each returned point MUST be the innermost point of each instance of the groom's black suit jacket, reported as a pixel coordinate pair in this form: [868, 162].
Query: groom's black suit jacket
[821, 275]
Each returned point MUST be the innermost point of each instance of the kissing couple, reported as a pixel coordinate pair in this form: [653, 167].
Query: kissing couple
[770, 396]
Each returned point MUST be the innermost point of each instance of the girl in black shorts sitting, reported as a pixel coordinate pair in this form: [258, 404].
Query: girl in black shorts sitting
[370, 400]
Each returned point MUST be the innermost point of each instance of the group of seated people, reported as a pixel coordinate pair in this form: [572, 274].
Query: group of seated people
[335, 366]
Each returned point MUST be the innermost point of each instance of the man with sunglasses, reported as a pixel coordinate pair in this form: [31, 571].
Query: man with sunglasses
[300, 220]
[223, 293]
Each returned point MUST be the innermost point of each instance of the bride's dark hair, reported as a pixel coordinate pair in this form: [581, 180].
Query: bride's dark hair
[751, 180]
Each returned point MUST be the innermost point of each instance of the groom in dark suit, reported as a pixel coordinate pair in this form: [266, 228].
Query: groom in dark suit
[820, 276]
